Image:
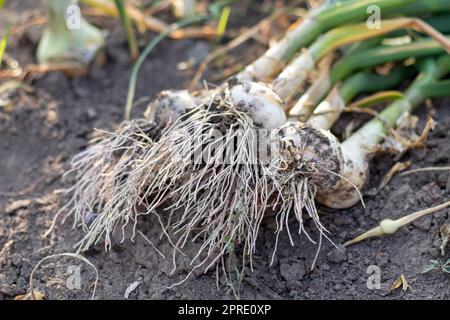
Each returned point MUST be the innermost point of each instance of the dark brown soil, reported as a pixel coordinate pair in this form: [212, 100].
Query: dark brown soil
[54, 119]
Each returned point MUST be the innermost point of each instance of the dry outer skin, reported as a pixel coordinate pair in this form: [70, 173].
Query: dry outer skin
[46, 128]
[313, 153]
[168, 106]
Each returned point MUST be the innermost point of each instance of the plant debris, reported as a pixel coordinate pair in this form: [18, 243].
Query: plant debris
[445, 236]
[397, 167]
[16, 205]
[401, 282]
[35, 295]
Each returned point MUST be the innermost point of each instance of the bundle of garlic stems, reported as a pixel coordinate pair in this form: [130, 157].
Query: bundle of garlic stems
[346, 65]
[358, 59]
[176, 162]
[356, 149]
[294, 76]
[330, 15]
[329, 110]
[364, 55]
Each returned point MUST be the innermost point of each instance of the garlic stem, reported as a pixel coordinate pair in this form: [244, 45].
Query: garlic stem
[389, 226]
[329, 15]
[68, 37]
[329, 110]
[293, 78]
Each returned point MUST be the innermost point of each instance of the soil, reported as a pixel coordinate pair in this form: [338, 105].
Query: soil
[49, 122]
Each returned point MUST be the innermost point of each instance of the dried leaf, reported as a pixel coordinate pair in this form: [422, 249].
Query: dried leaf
[16, 205]
[431, 265]
[404, 137]
[396, 284]
[30, 296]
[401, 281]
[4, 252]
[397, 167]
[361, 105]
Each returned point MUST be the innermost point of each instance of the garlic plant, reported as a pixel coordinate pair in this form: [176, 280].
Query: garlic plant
[184, 8]
[191, 162]
[68, 37]
[350, 159]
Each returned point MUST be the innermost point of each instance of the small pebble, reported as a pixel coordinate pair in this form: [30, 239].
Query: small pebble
[91, 113]
[292, 270]
[325, 267]
[10, 276]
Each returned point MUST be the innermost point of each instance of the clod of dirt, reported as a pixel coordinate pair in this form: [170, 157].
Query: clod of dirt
[398, 199]
[292, 270]
[423, 223]
[16, 259]
[337, 255]
[343, 220]
[325, 267]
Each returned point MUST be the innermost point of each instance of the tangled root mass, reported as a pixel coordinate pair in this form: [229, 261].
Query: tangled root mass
[202, 177]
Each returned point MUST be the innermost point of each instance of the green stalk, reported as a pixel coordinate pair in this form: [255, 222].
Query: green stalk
[439, 89]
[223, 22]
[378, 55]
[374, 131]
[439, 22]
[322, 19]
[367, 82]
[293, 77]
[329, 110]
[147, 50]
[128, 28]
[341, 36]
[363, 58]
[377, 97]
[421, 7]
[362, 45]
[336, 15]
[322, 83]
[4, 41]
